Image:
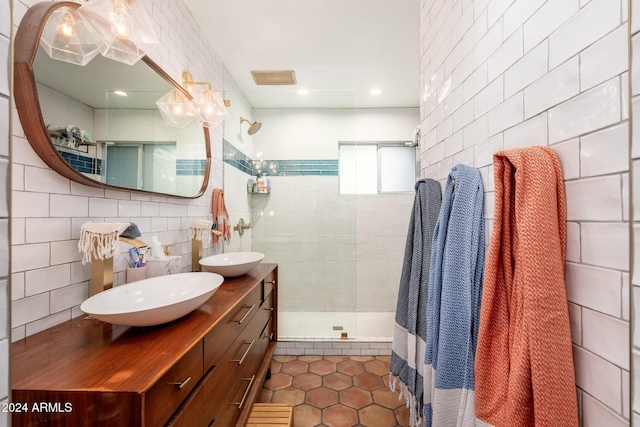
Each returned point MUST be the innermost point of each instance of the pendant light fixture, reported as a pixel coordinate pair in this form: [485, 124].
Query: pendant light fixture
[66, 38]
[209, 108]
[207, 104]
[175, 109]
[121, 29]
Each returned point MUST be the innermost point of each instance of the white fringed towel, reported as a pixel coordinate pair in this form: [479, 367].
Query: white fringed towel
[201, 230]
[99, 240]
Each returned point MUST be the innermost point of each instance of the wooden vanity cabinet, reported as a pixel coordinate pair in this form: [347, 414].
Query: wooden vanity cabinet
[205, 369]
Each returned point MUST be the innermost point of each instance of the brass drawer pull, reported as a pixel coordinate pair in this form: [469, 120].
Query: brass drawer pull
[268, 308]
[246, 392]
[273, 282]
[180, 385]
[246, 314]
[270, 336]
[245, 353]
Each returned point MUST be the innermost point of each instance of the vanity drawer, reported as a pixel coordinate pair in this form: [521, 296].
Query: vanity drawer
[243, 357]
[266, 338]
[266, 309]
[220, 338]
[173, 387]
[237, 401]
[268, 283]
[191, 412]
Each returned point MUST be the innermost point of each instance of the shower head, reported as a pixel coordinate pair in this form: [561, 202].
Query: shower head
[253, 127]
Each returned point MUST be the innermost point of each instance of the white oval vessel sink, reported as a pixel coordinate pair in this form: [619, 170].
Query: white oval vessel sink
[233, 264]
[153, 301]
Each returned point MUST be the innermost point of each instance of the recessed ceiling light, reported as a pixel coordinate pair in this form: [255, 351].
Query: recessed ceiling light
[120, 93]
[375, 92]
[303, 91]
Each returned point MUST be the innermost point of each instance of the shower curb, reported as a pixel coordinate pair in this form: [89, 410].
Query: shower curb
[333, 347]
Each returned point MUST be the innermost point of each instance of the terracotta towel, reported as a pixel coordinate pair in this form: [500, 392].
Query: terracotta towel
[221, 216]
[524, 366]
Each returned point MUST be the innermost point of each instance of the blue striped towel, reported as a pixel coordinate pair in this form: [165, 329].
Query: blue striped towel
[407, 356]
[453, 302]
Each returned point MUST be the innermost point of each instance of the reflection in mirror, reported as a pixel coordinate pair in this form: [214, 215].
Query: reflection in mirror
[103, 121]
[113, 132]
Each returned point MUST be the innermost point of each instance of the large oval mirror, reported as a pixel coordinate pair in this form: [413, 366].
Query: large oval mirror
[98, 124]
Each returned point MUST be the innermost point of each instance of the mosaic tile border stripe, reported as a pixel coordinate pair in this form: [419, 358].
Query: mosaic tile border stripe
[236, 158]
[191, 167]
[239, 160]
[83, 164]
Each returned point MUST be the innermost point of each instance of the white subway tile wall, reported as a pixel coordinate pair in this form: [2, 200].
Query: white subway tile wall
[635, 209]
[547, 72]
[5, 120]
[48, 280]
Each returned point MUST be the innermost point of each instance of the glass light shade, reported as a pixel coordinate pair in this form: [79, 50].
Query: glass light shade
[175, 109]
[209, 108]
[121, 28]
[66, 38]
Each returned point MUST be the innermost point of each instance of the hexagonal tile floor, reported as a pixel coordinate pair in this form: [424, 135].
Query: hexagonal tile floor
[336, 391]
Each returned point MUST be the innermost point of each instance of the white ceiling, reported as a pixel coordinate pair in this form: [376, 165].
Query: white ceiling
[94, 83]
[339, 49]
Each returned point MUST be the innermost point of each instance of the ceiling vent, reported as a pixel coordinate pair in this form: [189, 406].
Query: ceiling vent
[277, 77]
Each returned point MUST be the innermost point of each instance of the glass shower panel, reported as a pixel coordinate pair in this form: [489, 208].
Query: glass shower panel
[304, 224]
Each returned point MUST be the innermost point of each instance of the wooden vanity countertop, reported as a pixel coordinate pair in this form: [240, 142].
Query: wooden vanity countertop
[90, 355]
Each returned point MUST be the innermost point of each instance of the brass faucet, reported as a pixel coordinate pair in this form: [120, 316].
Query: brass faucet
[196, 252]
[102, 269]
[166, 249]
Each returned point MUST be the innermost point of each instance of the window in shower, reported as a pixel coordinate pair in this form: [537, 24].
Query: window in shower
[376, 167]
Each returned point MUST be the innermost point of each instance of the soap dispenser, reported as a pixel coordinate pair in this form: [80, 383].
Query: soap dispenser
[262, 184]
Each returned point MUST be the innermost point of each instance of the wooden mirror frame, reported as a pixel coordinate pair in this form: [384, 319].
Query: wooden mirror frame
[28, 104]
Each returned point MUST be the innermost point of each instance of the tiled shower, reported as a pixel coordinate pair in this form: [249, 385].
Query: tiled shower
[339, 255]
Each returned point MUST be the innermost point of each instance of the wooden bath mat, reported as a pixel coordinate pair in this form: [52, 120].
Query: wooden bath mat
[271, 415]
